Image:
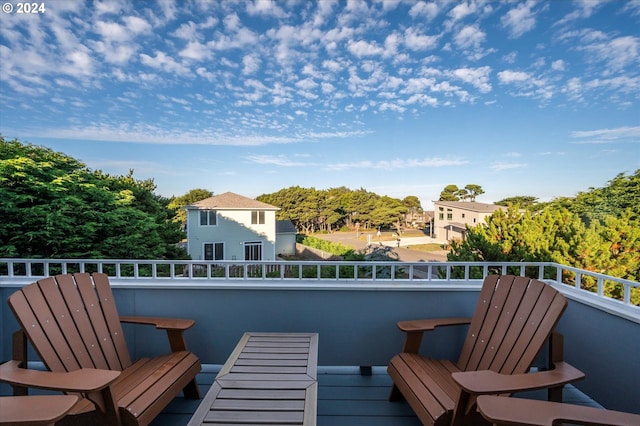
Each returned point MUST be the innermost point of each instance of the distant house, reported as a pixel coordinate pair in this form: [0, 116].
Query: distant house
[452, 217]
[285, 238]
[232, 227]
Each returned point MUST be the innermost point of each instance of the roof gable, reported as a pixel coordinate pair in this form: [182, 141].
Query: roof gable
[231, 201]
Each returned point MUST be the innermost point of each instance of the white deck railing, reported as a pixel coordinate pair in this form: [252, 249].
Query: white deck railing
[17, 270]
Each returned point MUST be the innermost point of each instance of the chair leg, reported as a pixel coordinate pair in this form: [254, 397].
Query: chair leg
[191, 391]
[556, 354]
[395, 394]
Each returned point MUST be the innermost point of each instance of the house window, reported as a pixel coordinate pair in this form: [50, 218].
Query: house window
[213, 251]
[253, 250]
[449, 216]
[463, 215]
[208, 218]
[441, 216]
[257, 217]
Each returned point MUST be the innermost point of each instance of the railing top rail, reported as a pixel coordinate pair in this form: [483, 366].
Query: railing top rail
[581, 283]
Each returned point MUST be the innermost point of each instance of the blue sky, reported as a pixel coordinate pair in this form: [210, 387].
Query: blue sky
[398, 97]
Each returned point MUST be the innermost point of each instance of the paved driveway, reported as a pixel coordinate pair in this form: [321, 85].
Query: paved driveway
[405, 254]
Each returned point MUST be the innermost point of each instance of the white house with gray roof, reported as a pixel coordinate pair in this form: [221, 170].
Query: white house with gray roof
[451, 218]
[231, 227]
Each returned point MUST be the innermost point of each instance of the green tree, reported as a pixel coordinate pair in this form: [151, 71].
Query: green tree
[524, 201]
[177, 204]
[450, 193]
[388, 212]
[472, 191]
[412, 203]
[52, 206]
[621, 193]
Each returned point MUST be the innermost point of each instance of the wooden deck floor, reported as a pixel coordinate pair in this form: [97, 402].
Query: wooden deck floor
[345, 398]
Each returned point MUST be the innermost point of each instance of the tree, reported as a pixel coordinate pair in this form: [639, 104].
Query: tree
[472, 191]
[524, 201]
[621, 193]
[450, 193]
[52, 206]
[412, 203]
[453, 193]
[388, 212]
[177, 204]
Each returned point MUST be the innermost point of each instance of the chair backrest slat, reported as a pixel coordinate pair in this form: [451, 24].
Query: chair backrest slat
[71, 322]
[77, 355]
[505, 302]
[73, 299]
[513, 318]
[107, 301]
[30, 323]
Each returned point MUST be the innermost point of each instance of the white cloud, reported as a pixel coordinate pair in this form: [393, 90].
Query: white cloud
[265, 8]
[196, 51]
[471, 36]
[558, 65]
[519, 20]
[363, 48]
[163, 62]
[187, 31]
[527, 84]
[513, 76]
[462, 10]
[429, 10]
[631, 133]
[251, 64]
[399, 164]
[499, 167]
[478, 77]
[415, 41]
[618, 53]
[276, 160]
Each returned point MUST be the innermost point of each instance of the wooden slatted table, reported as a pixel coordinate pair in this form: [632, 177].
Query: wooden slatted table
[270, 378]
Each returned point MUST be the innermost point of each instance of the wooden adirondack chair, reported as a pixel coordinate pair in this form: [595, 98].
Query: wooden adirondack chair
[526, 412]
[513, 319]
[47, 409]
[72, 323]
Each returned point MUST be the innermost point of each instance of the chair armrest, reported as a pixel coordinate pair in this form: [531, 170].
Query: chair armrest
[430, 324]
[160, 323]
[490, 382]
[35, 409]
[519, 411]
[83, 380]
[416, 328]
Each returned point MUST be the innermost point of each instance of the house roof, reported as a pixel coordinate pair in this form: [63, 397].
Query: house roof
[231, 201]
[285, 227]
[470, 205]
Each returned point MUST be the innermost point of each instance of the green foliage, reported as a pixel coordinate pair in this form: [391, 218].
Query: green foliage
[453, 193]
[450, 193]
[313, 210]
[177, 204]
[622, 193]
[52, 206]
[524, 201]
[328, 246]
[598, 231]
